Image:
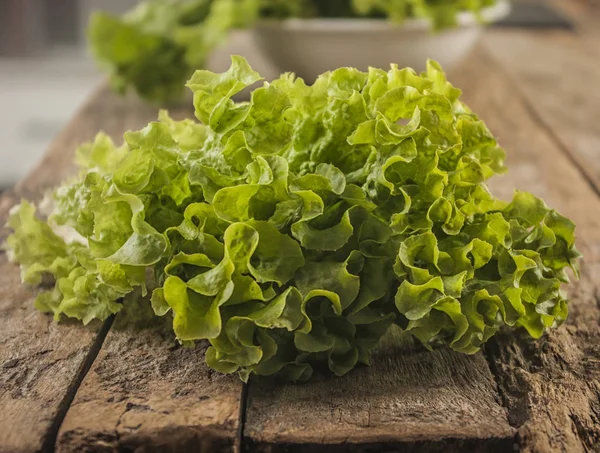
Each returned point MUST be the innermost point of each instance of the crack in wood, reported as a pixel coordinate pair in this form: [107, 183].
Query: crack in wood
[49, 442]
[128, 407]
[346, 445]
[510, 397]
[490, 346]
[239, 442]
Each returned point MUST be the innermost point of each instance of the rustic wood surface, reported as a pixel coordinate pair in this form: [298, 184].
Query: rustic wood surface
[564, 102]
[136, 390]
[40, 362]
[145, 392]
[409, 399]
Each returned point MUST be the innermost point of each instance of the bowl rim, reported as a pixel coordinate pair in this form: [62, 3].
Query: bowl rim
[464, 19]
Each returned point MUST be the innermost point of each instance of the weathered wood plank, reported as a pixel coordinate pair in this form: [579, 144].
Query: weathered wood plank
[556, 72]
[409, 400]
[146, 393]
[551, 386]
[40, 362]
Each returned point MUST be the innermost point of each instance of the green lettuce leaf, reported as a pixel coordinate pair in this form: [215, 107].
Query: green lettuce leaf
[291, 231]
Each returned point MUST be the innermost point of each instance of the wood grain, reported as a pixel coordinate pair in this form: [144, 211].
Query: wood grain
[145, 393]
[551, 386]
[556, 73]
[409, 399]
[40, 362]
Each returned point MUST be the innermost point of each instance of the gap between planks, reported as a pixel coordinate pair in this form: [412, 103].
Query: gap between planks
[44, 362]
[239, 442]
[49, 444]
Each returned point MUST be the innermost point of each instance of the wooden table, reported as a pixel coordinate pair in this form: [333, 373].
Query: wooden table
[105, 388]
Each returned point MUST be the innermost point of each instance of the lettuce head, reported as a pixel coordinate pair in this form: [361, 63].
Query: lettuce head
[292, 230]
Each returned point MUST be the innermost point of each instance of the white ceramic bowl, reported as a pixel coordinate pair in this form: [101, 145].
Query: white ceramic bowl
[310, 47]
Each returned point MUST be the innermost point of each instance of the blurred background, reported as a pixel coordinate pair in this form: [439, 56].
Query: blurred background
[46, 72]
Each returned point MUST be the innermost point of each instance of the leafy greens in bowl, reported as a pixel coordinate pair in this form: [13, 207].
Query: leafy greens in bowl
[155, 47]
[294, 229]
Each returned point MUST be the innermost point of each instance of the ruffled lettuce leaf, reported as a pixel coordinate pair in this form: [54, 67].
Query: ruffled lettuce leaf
[292, 230]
